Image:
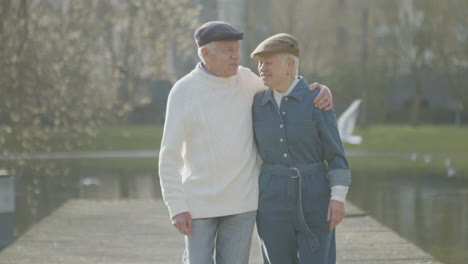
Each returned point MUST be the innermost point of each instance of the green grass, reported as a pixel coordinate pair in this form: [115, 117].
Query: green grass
[395, 138]
[126, 138]
[407, 139]
[427, 138]
[404, 163]
[107, 138]
[112, 163]
[111, 138]
[441, 142]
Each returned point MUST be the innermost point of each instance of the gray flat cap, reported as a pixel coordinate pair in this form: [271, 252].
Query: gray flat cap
[217, 31]
[279, 43]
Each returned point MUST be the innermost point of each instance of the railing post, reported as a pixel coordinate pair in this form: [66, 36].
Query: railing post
[7, 209]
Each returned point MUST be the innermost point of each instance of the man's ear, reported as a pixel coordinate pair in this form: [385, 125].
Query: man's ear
[205, 52]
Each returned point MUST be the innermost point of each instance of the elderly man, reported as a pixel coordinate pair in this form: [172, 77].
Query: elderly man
[208, 160]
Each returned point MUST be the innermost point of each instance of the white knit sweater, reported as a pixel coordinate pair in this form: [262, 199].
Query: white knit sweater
[208, 161]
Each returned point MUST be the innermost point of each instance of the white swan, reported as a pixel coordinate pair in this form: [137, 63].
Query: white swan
[347, 121]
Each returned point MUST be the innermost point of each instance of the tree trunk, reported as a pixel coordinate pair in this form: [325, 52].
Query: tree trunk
[417, 101]
[458, 112]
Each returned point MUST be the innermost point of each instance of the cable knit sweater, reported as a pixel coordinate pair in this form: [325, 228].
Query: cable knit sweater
[208, 160]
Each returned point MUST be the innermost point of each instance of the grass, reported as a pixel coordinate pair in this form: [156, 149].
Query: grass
[126, 138]
[406, 139]
[440, 142]
[107, 138]
[395, 138]
[112, 163]
[434, 139]
[404, 163]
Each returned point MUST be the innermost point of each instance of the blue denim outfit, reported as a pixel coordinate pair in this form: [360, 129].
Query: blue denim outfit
[302, 158]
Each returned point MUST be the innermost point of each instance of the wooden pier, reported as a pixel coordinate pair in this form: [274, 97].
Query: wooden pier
[139, 232]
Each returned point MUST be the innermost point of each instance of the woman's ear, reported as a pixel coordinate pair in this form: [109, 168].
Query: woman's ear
[291, 63]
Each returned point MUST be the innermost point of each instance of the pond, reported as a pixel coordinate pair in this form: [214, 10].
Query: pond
[427, 208]
[38, 195]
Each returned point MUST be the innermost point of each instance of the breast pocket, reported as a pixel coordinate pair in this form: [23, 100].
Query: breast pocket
[303, 132]
[266, 134]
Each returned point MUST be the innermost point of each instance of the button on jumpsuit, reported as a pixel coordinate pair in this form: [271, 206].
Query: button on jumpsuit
[303, 157]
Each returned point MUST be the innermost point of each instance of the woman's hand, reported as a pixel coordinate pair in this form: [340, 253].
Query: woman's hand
[336, 212]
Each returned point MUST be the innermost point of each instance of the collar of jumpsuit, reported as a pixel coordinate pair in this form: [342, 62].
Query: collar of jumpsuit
[298, 93]
[278, 95]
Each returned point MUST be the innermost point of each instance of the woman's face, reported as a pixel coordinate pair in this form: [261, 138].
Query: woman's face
[275, 71]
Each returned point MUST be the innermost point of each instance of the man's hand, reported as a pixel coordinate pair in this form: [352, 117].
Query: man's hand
[336, 212]
[183, 223]
[324, 98]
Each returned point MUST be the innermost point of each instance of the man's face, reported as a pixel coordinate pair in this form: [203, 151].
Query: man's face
[224, 61]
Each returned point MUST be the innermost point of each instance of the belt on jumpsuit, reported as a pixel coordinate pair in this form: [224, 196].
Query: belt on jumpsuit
[296, 173]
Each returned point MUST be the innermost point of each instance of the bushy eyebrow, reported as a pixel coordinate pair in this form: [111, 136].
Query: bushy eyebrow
[265, 58]
[228, 47]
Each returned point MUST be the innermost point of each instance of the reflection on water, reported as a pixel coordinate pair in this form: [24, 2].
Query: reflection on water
[120, 185]
[38, 195]
[425, 208]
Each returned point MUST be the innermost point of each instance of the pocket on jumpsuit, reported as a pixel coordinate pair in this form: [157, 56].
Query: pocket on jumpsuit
[316, 198]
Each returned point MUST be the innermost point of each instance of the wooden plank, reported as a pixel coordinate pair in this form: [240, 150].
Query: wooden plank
[139, 231]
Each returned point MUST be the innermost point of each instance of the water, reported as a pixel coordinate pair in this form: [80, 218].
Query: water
[426, 208]
[38, 195]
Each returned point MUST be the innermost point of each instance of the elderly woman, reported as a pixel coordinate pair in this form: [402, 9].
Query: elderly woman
[305, 175]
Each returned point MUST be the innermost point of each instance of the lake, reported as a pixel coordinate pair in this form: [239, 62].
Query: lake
[427, 208]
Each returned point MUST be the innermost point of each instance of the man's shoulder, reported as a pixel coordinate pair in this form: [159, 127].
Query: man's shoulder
[258, 98]
[185, 79]
[253, 80]
[184, 83]
[245, 71]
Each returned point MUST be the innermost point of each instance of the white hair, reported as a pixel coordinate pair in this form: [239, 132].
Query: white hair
[285, 56]
[210, 47]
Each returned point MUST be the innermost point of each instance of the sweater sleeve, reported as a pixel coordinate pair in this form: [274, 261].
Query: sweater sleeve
[255, 82]
[171, 161]
[259, 86]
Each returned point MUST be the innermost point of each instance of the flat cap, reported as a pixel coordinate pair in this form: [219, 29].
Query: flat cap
[279, 43]
[217, 31]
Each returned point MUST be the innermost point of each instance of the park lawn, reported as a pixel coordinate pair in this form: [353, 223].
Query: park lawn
[399, 138]
[106, 138]
[394, 138]
[404, 163]
[126, 138]
[408, 139]
[113, 163]
[441, 141]
[434, 140]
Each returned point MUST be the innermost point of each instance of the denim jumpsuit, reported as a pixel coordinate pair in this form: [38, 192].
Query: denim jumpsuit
[302, 158]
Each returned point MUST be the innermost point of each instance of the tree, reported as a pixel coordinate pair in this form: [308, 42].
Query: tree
[67, 67]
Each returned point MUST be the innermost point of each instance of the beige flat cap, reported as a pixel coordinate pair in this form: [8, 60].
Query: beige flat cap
[279, 43]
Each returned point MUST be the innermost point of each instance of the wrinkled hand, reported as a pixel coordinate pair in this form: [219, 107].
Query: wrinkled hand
[183, 223]
[336, 212]
[324, 99]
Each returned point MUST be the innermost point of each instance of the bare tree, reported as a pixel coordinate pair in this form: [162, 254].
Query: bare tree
[67, 67]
